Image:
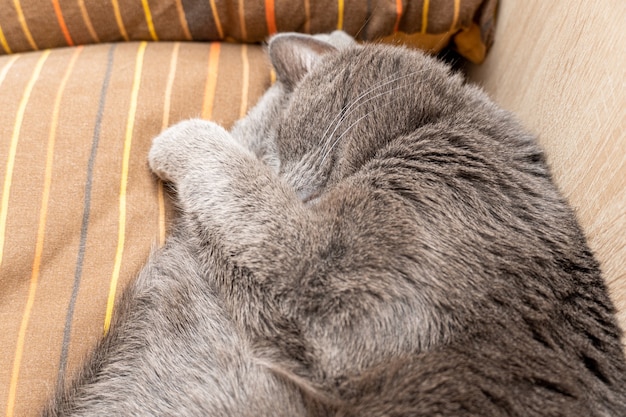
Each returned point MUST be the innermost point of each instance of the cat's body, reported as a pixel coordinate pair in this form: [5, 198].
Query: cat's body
[375, 238]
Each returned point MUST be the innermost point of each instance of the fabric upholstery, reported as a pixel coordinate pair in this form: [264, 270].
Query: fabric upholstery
[27, 25]
[79, 209]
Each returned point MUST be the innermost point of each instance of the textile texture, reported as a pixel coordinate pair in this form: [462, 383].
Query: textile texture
[79, 208]
[28, 25]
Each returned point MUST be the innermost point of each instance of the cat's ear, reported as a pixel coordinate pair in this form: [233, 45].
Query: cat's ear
[294, 55]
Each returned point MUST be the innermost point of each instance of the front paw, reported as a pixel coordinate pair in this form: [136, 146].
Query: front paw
[177, 149]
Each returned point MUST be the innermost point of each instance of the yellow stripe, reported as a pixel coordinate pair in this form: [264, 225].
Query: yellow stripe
[8, 177]
[118, 19]
[121, 231]
[425, 16]
[211, 82]
[5, 202]
[87, 20]
[166, 121]
[183, 19]
[455, 19]
[148, 13]
[340, 6]
[22, 20]
[245, 81]
[43, 214]
[218, 24]
[272, 76]
[7, 67]
[5, 44]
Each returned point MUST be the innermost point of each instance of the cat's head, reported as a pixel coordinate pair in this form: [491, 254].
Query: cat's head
[337, 103]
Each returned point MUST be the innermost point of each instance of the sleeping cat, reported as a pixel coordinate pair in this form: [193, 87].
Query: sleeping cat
[376, 238]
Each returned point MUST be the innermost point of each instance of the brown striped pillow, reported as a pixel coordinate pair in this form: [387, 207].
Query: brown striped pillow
[79, 209]
[27, 25]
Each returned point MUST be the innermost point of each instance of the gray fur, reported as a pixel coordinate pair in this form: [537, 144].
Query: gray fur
[375, 238]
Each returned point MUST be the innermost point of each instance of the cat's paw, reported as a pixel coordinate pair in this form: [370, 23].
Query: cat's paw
[182, 146]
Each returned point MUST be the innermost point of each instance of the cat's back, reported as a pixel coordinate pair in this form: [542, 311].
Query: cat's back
[461, 204]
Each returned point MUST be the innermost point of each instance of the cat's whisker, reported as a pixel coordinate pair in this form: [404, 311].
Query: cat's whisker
[343, 111]
[358, 103]
[326, 150]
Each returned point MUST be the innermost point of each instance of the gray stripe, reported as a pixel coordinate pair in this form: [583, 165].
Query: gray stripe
[85, 222]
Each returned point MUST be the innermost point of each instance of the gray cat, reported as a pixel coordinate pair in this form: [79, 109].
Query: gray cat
[376, 238]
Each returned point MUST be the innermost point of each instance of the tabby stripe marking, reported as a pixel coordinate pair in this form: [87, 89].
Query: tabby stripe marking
[61, 20]
[211, 82]
[121, 234]
[5, 202]
[22, 20]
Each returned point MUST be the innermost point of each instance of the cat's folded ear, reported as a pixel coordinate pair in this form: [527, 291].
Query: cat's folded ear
[293, 55]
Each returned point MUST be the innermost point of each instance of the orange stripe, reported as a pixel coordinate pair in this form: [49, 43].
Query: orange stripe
[166, 121]
[245, 81]
[216, 17]
[242, 21]
[398, 15]
[272, 76]
[118, 19]
[270, 17]
[183, 19]
[121, 231]
[425, 16]
[211, 82]
[9, 172]
[148, 13]
[22, 20]
[4, 43]
[62, 25]
[87, 20]
[33, 281]
[455, 19]
[307, 16]
[8, 176]
[340, 6]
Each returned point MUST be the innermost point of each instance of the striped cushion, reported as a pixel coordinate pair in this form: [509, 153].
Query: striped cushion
[79, 209]
[27, 25]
